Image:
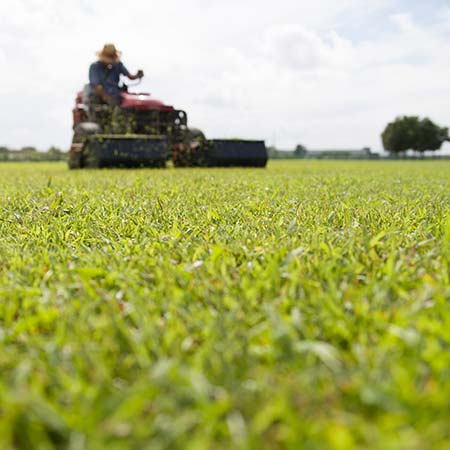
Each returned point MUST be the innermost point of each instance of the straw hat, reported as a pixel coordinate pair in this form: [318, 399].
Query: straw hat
[109, 54]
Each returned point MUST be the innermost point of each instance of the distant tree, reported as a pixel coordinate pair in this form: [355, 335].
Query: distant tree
[413, 133]
[275, 153]
[28, 150]
[300, 151]
[25, 154]
[400, 135]
[54, 154]
[29, 153]
[4, 153]
[54, 151]
[430, 136]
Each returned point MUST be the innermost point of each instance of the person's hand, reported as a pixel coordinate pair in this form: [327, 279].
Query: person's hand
[100, 92]
[140, 74]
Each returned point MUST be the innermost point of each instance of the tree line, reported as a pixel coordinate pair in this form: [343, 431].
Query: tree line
[405, 133]
[32, 154]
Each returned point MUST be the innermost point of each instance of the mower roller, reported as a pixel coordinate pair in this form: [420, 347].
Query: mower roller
[145, 132]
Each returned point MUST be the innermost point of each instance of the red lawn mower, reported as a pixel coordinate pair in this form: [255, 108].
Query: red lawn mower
[145, 132]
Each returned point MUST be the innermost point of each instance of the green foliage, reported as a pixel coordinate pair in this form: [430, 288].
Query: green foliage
[32, 154]
[304, 306]
[300, 151]
[413, 133]
[274, 153]
[430, 136]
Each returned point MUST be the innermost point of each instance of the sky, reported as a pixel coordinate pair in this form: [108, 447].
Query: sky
[322, 73]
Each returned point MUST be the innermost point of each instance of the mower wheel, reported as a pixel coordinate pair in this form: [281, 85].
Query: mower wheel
[190, 153]
[75, 160]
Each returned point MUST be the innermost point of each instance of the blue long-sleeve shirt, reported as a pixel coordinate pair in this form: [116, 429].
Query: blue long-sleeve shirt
[108, 75]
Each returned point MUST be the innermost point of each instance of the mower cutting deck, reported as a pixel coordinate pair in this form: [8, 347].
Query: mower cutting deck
[98, 151]
[222, 153]
[145, 132]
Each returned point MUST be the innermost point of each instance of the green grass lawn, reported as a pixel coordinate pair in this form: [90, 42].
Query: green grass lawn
[305, 306]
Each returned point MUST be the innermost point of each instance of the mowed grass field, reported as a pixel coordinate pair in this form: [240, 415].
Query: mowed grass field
[305, 306]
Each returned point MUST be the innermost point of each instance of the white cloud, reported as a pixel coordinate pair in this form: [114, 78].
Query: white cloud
[253, 69]
[403, 21]
[300, 48]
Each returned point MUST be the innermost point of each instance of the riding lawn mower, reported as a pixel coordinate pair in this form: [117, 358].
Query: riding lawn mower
[145, 132]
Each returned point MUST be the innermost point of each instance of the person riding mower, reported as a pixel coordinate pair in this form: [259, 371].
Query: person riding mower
[104, 75]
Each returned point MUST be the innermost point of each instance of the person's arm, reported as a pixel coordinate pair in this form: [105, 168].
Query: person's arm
[124, 71]
[94, 76]
[138, 74]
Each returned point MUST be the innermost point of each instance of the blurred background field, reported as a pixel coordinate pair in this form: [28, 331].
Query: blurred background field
[302, 306]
